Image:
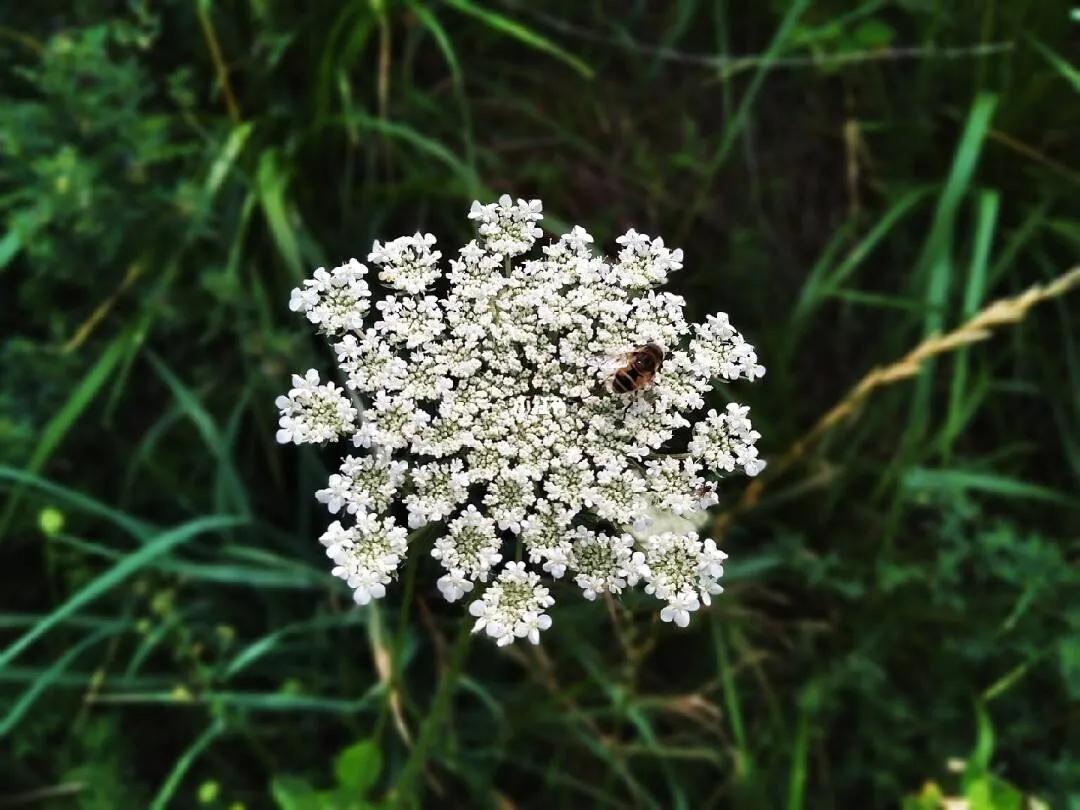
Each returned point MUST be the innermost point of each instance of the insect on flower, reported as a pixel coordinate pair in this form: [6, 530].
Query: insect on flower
[482, 398]
[639, 369]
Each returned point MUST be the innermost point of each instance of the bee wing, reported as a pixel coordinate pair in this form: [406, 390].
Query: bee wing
[607, 362]
[603, 365]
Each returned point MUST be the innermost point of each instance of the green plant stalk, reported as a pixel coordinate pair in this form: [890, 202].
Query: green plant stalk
[172, 782]
[742, 114]
[405, 786]
[395, 685]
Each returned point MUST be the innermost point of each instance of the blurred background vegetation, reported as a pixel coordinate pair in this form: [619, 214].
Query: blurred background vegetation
[902, 618]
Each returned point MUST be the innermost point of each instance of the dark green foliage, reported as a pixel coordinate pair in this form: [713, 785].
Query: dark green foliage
[907, 595]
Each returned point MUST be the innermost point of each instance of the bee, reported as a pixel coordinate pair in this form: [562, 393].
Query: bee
[638, 371]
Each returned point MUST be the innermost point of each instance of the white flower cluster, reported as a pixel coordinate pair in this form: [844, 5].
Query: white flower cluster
[481, 398]
[314, 413]
[726, 441]
[683, 571]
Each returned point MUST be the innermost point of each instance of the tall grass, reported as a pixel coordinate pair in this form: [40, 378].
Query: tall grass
[853, 183]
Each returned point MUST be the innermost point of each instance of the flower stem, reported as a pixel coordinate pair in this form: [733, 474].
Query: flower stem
[395, 688]
[405, 790]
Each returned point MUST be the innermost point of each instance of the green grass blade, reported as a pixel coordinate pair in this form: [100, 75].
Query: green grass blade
[734, 128]
[267, 643]
[457, 75]
[408, 779]
[983, 750]
[682, 20]
[1020, 239]
[219, 573]
[877, 300]
[142, 456]
[986, 219]
[271, 182]
[77, 500]
[921, 479]
[521, 33]
[109, 579]
[80, 680]
[152, 640]
[49, 677]
[244, 576]
[226, 158]
[10, 246]
[428, 146]
[728, 686]
[1067, 71]
[826, 276]
[974, 294]
[65, 419]
[935, 264]
[800, 749]
[896, 212]
[343, 41]
[809, 294]
[172, 781]
[248, 701]
[10, 621]
[230, 482]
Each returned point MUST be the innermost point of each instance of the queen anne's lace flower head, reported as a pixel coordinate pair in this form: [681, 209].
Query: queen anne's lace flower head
[478, 401]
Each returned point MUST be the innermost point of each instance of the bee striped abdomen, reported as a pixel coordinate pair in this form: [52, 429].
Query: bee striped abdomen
[622, 382]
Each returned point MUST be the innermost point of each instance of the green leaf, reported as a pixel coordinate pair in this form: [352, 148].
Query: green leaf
[978, 763]
[357, 767]
[292, 793]
[929, 798]
[873, 34]
[1004, 796]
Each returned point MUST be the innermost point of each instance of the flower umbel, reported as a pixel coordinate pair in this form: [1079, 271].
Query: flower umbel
[479, 401]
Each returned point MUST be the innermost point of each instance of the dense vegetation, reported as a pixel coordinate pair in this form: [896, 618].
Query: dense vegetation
[846, 179]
